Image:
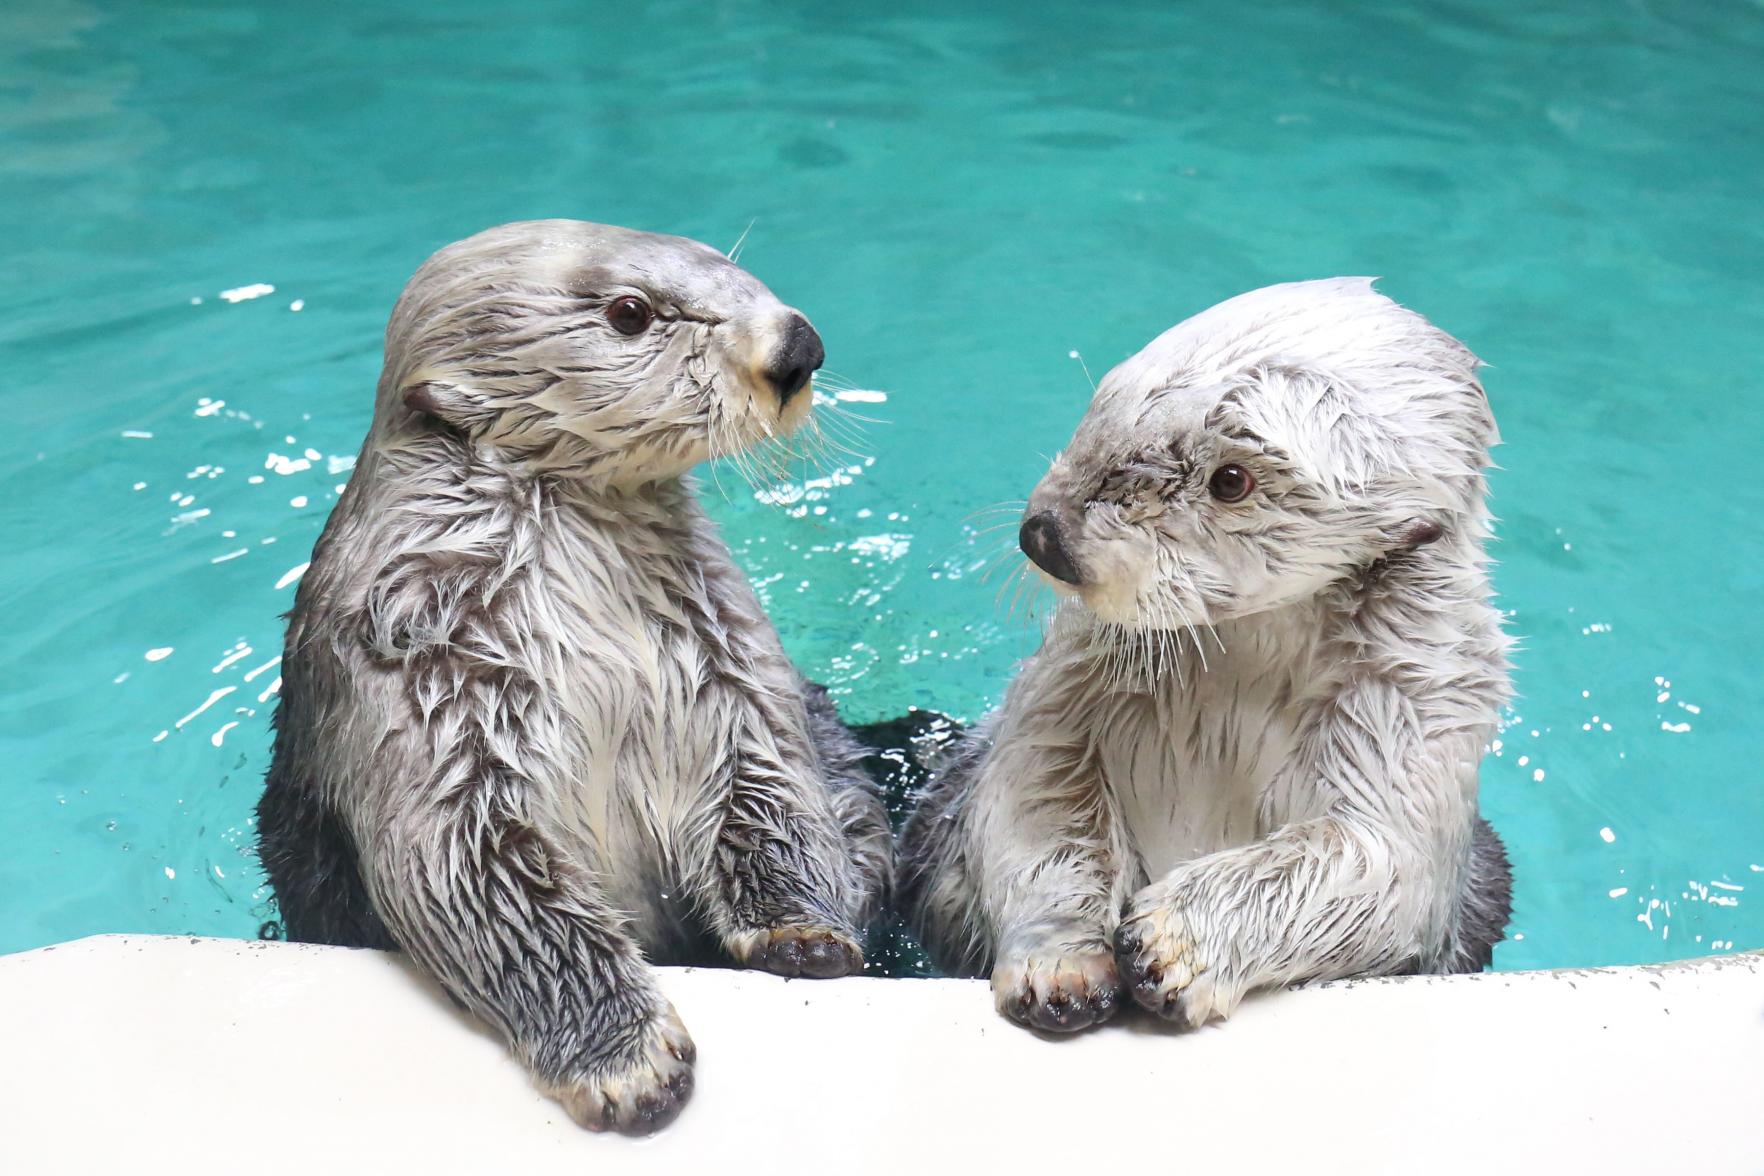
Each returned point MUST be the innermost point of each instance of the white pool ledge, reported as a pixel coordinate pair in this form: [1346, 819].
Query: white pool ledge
[146, 1054]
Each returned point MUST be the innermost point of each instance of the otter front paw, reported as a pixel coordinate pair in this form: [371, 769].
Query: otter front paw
[638, 1091]
[818, 952]
[1057, 992]
[1161, 952]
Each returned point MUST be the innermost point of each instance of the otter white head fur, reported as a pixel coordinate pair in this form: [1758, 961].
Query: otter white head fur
[596, 352]
[1246, 753]
[534, 724]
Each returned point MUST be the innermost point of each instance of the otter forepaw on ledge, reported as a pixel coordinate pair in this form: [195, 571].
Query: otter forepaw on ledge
[638, 1092]
[1167, 968]
[820, 953]
[1058, 992]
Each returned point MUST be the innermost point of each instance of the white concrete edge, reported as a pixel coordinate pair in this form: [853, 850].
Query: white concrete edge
[162, 1054]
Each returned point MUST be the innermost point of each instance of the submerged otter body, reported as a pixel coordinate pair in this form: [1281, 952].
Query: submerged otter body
[1246, 754]
[535, 727]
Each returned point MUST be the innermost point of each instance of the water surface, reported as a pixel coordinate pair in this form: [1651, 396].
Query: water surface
[211, 208]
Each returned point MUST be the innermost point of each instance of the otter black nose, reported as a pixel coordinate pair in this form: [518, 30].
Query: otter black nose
[1040, 540]
[799, 354]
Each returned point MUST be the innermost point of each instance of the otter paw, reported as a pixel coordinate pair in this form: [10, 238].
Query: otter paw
[817, 952]
[1058, 993]
[636, 1093]
[1165, 968]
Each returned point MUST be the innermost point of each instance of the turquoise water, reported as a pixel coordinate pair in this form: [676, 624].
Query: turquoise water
[960, 196]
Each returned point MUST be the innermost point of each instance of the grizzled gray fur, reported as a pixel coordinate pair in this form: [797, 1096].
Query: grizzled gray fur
[535, 728]
[1246, 753]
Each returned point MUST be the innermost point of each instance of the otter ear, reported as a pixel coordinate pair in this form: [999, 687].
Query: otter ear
[442, 400]
[1416, 532]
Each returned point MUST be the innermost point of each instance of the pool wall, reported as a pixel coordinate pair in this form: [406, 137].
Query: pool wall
[166, 1051]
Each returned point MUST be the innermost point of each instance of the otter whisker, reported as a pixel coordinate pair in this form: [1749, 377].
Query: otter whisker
[993, 528]
[1025, 588]
[853, 416]
[767, 457]
[714, 427]
[1217, 640]
[1085, 368]
[743, 459]
[836, 402]
[1004, 586]
[1189, 587]
[997, 508]
[1124, 654]
[844, 425]
[1005, 550]
[1169, 634]
[735, 253]
[1189, 625]
[772, 456]
[831, 444]
[847, 390]
[729, 452]
[1194, 591]
[808, 454]
[1012, 585]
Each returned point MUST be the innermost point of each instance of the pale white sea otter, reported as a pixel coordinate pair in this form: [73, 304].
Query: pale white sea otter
[536, 729]
[1246, 753]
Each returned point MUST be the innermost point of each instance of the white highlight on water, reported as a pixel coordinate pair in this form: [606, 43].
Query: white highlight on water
[213, 698]
[247, 293]
[293, 574]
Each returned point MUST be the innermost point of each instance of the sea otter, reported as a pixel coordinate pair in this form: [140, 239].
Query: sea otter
[1246, 752]
[535, 728]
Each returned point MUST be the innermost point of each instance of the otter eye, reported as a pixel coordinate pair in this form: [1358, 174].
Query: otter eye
[629, 315]
[1231, 483]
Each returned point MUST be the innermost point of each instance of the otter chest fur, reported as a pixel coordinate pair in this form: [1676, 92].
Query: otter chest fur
[1197, 743]
[645, 668]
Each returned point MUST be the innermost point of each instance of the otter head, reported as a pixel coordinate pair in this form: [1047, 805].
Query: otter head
[1258, 453]
[595, 351]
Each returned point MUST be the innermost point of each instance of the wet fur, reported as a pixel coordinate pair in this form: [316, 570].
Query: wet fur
[1246, 753]
[535, 728]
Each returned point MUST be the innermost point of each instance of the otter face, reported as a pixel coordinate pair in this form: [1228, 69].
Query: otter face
[1260, 452]
[597, 351]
